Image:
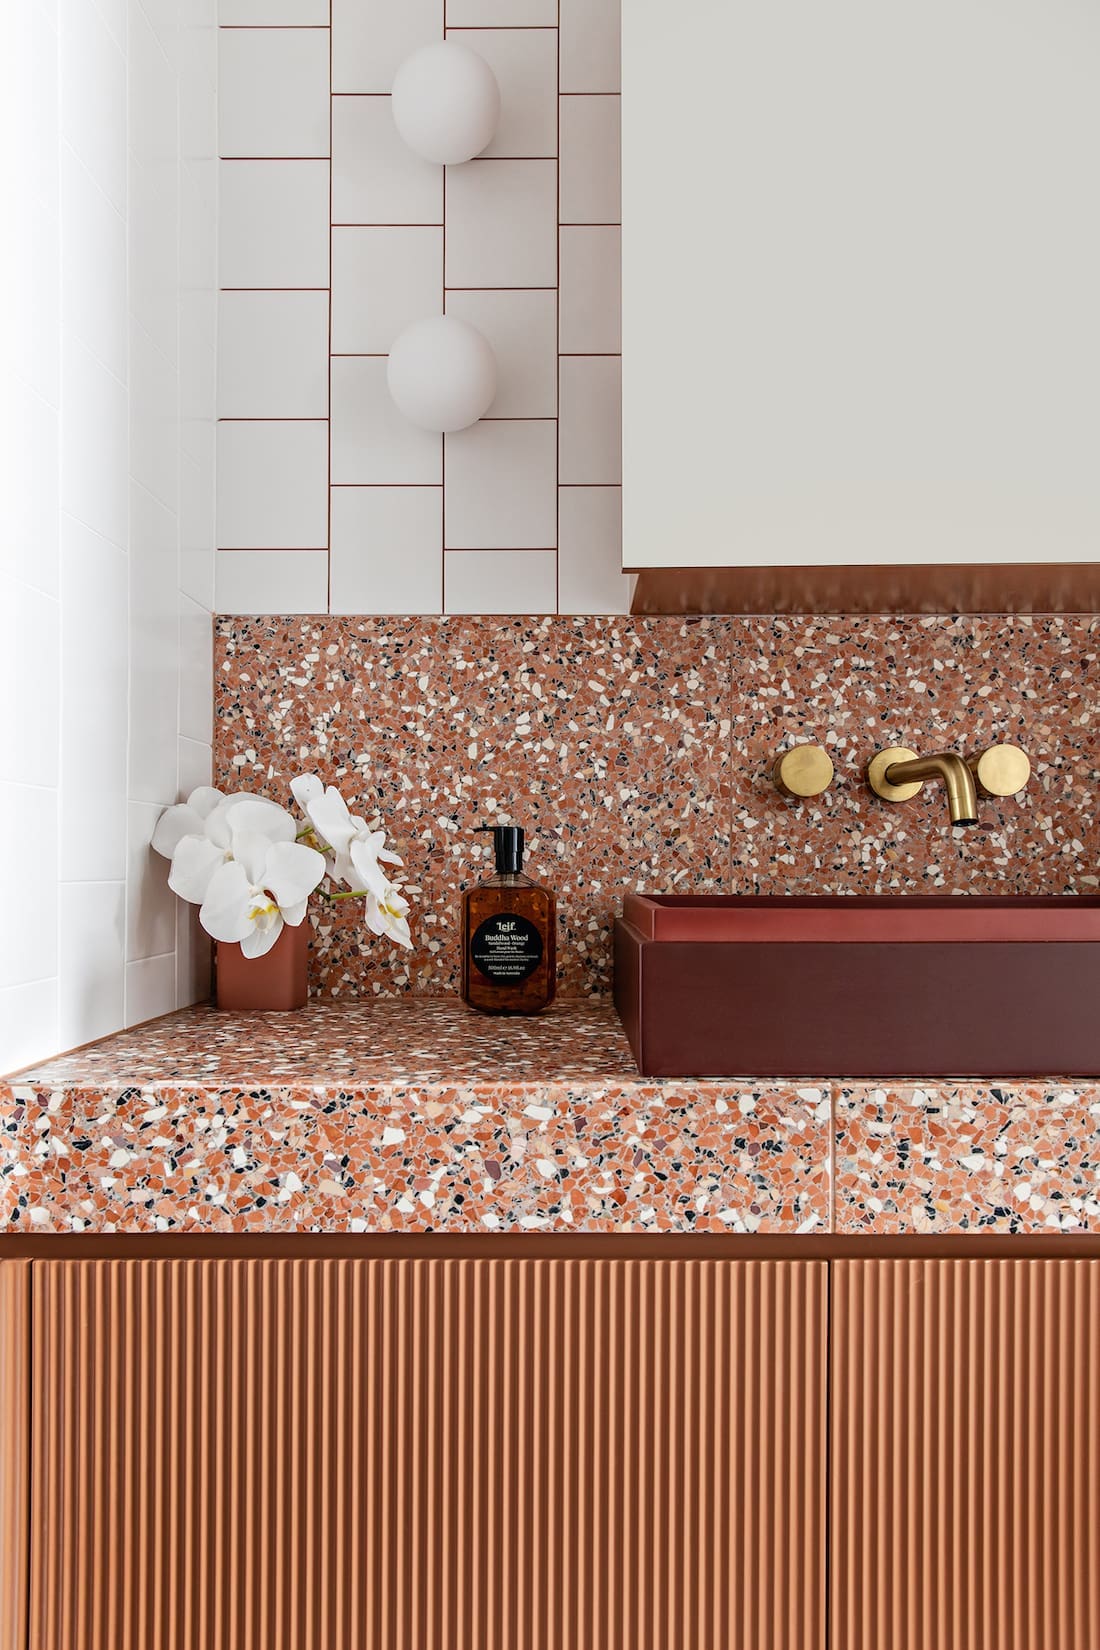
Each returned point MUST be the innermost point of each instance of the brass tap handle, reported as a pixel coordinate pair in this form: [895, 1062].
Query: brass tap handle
[1002, 770]
[805, 770]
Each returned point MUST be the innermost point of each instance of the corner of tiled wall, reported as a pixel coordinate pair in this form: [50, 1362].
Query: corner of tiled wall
[108, 530]
[334, 237]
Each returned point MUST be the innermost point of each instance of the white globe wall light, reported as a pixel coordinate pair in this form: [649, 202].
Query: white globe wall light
[442, 374]
[446, 103]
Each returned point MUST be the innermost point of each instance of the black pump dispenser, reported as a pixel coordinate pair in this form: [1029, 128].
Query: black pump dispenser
[507, 847]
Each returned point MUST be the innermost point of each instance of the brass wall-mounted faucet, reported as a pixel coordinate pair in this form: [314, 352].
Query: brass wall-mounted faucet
[897, 774]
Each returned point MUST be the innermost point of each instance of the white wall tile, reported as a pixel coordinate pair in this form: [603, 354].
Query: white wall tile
[273, 485]
[372, 38]
[371, 441]
[150, 988]
[154, 656]
[382, 281]
[28, 1024]
[501, 581]
[29, 677]
[590, 294]
[152, 101]
[591, 47]
[93, 104]
[93, 269]
[501, 488]
[91, 995]
[198, 334]
[590, 160]
[590, 419]
[150, 903]
[197, 521]
[502, 14]
[272, 581]
[28, 883]
[273, 222]
[272, 13]
[194, 760]
[94, 444]
[273, 92]
[376, 178]
[590, 551]
[502, 223]
[153, 234]
[525, 63]
[273, 354]
[28, 502]
[196, 654]
[94, 716]
[194, 955]
[154, 419]
[387, 550]
[522, 328]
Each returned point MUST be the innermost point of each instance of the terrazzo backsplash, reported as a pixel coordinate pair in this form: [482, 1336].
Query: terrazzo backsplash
[637, 753]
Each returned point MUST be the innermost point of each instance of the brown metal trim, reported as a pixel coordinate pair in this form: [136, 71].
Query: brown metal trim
[1041, 587]
[15, 1309]
[822, 1246]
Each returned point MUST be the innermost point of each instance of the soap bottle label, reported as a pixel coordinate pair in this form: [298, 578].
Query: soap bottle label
[506, 948]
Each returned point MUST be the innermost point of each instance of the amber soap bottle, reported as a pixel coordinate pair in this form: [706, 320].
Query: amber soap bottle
[509, 935]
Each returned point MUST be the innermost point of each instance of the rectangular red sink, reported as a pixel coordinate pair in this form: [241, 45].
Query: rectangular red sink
[860, 986]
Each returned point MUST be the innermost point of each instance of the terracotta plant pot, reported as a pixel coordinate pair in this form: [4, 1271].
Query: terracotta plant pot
[276, 982]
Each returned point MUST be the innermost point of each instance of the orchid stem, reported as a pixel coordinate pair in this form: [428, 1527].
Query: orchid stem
[352, 893]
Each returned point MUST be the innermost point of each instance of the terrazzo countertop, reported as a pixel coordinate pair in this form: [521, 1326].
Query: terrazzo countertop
[417, 1114]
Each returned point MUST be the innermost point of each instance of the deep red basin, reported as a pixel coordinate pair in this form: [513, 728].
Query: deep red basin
[860, 986]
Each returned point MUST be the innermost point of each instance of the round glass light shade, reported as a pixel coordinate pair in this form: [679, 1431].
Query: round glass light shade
[442, 374]
[446, 103]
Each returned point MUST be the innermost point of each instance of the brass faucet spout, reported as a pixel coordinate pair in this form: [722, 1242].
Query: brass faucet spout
[962, 798]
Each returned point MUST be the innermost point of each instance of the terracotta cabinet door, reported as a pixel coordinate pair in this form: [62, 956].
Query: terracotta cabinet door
[965, 1493]
[428, 1454]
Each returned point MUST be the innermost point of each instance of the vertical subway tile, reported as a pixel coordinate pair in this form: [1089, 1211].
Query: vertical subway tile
[372, 442]
[376, 178]
[590, 551]
[273, 92]
[590, 410]
[590, 163]
[590, 298]
[387, 550]
[501, 581]
[382, 281]
[521, 327]
[272, 485]
[502, 224]
[271, 581]
[591, 46]
[274, 223]
[501, 487]
[273, 355]
[372, 38]
[525, 63]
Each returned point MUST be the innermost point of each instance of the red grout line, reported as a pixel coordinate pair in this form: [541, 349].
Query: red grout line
[591, 225]
[500, 550]
[591, 355]
[437, 225]
[417, 486]
[500, 289]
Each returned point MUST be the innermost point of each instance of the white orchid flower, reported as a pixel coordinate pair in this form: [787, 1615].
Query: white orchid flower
[263, 886]
[388, 914]
[185, 819]
[197, 857]
[356, 849]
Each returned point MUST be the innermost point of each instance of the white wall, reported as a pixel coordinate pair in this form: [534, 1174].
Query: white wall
[334, 237]
[106, 544]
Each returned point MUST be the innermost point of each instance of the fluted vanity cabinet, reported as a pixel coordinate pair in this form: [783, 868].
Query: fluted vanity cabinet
[15, 1317]
[428, 1454]
[965, 1455]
